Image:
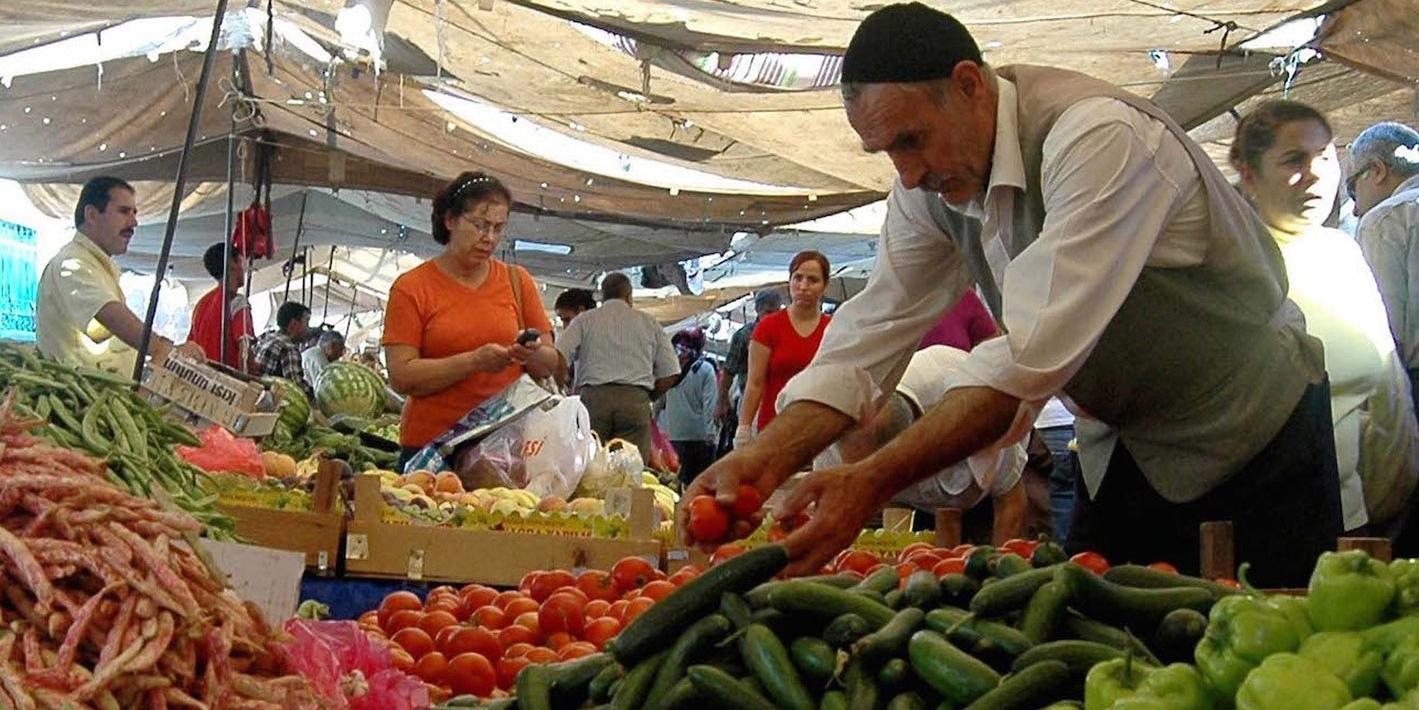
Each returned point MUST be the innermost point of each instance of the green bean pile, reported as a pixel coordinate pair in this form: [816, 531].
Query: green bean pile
[99, 413]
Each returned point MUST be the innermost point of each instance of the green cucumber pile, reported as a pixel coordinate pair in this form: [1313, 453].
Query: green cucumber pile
[1006, 635]
[98, 413]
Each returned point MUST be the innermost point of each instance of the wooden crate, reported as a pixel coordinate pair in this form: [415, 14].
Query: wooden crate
[1218, 552]
[317, 532]
[376, 548]
[208, 392]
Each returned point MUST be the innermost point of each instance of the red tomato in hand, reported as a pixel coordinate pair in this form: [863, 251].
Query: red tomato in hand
[631, 573]
[708, 521]
[747, 501]
[597, 584]
[1164, 567]
[561, 613]
[1092, 561]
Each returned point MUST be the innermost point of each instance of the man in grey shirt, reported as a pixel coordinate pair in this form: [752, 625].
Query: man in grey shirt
[1384, 182]
[327, 349]
[623, 361]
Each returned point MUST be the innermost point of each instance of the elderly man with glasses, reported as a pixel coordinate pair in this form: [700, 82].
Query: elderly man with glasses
[1384, 182]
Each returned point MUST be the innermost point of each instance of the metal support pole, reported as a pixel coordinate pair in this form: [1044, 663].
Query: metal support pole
[291, 267]
[227, 235]
[329, 270]
[165, 253]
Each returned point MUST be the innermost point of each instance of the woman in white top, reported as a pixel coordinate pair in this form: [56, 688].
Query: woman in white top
[1287, 160]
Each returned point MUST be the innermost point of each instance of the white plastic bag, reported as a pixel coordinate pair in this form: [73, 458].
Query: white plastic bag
[618, 464]
[545, 451]
[557, 444]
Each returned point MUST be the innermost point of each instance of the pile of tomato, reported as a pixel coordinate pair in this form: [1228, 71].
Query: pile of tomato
[475, 640]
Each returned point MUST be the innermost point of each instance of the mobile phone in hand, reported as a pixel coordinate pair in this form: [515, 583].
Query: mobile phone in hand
[528, 336]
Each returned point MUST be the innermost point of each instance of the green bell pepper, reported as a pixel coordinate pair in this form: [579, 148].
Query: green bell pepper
[1122, 684]
[1349, 591]
[1401, 669]
[1364, 704]
[1347, 657]
[1406, 586]
[1286, 681]
[1242, 631]
[1385, 637]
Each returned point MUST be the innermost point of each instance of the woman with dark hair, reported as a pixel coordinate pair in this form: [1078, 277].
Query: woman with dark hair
[452, 324]
[784, 343]
[1285, 155]
[687, 413]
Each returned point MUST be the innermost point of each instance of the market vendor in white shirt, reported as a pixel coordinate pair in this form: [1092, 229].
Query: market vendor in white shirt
[1127, 274]
[81, 317]
[991, 474]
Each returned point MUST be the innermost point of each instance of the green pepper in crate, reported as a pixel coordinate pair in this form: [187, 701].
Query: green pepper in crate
[1406, 586]
[1349, 591]
[1401, 669]
[1242, 631]
[1126, 684]
[1346, 655]
[1287, 681]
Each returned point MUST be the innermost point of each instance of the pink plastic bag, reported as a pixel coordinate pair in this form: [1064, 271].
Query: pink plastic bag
[349, 669]
[221, 452]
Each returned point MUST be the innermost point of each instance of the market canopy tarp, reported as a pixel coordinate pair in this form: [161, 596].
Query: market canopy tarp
[522, 89]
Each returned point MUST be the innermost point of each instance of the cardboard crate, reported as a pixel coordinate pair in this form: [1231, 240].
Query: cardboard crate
[209, 392]
[376, 548]
[317, 533]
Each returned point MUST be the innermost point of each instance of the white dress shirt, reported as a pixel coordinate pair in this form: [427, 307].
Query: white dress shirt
[1389, 235]
[991, 472]
[1120, 193]
[1334, 288]
[618, 345]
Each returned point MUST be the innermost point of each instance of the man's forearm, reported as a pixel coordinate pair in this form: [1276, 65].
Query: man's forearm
[965, 421]
[798, 433]
[1011, 514]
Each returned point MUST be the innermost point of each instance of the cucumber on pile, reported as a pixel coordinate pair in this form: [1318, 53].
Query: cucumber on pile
[1004, 638]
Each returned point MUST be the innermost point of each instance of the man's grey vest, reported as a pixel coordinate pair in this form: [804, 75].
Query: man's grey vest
[1198, 369]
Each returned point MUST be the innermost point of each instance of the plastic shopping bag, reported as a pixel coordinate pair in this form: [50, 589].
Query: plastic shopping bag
[618, 464]
[546, 451]
[221, 452]
[515, 399]
[349, 669]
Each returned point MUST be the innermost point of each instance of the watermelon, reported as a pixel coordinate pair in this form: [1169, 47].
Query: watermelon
[349, 388]
[294, 404]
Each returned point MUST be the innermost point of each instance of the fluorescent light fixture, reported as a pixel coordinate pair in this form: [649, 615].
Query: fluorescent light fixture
[1287, 35]
[542, 247]
[528, 137]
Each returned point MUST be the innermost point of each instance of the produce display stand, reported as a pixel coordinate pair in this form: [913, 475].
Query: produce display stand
[375, 547]
[317, 532]
[202, 393]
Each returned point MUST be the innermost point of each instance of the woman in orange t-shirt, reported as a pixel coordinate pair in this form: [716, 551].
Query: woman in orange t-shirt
[452, 323]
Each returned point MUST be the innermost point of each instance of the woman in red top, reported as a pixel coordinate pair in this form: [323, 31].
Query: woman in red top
[784, 342]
